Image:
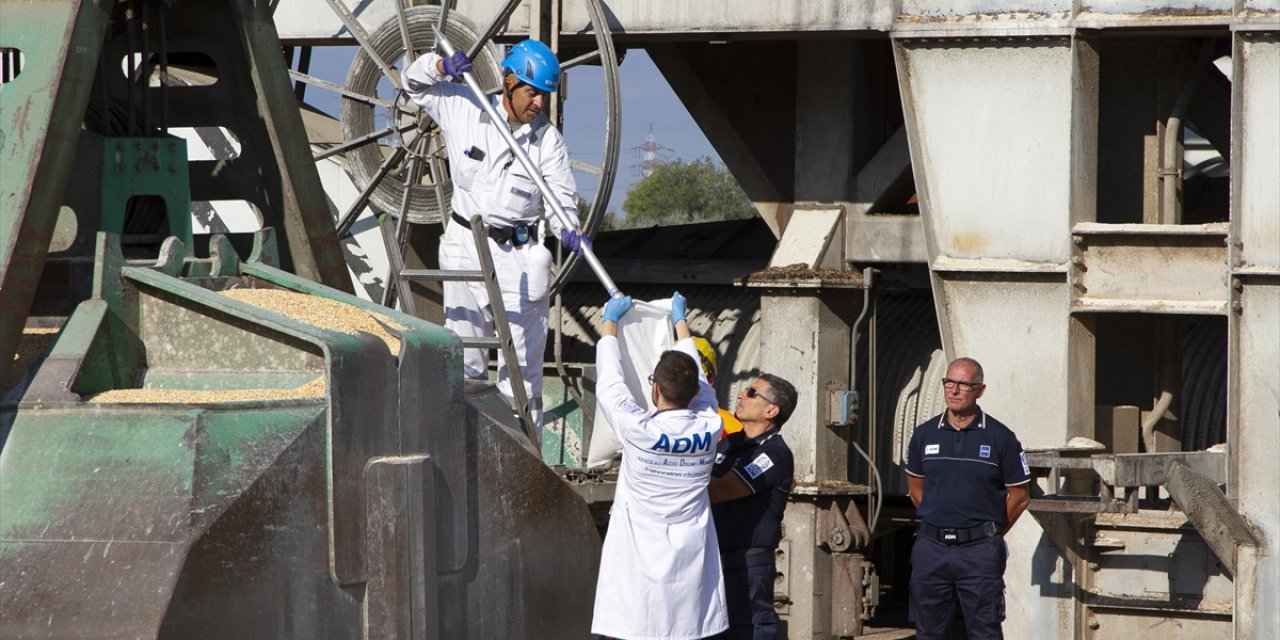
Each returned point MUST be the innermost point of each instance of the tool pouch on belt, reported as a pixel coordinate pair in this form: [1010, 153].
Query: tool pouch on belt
[518, 235]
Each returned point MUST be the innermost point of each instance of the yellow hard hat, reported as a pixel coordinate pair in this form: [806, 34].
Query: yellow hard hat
[708, 356]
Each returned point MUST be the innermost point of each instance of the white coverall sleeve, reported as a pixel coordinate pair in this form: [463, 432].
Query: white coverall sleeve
[706, 397]
[558, 173]
[612, 395]
[421, 81]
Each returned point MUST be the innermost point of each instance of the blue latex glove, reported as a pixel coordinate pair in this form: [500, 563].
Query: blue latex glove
[575, 241]
[456, 65]
[678, 306]
[615, 308]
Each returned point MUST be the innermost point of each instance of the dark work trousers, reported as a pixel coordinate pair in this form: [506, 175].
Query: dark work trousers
[748, 594]
[971, 574]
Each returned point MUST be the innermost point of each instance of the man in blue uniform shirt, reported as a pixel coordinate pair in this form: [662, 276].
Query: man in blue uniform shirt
[750, 483]
[969, 480]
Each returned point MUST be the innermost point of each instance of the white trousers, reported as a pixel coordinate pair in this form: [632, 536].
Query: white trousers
[524, 277]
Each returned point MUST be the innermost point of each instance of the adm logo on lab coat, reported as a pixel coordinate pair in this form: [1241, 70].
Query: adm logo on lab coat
[698, 443]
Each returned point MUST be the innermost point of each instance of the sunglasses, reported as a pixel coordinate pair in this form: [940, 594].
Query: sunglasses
[753, 393]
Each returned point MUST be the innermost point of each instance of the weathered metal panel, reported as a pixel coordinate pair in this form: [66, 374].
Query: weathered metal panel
[1151, 268]
[40, 120]
[360, 375]
[1005, 328]
[1127, 623]
[312, 19]
[1152, 469]
[806, 575]
[885, 238]
[1253, 387]
[717, 17]
[1009, 104]
[430, 358]
[1002, 138]
[1213, 515]
[110, 512]
[1153, 13]
[812, 240]
[1145, 577]
[1256, 129]
[809, 346]
[1259, 8]
[400, 597]
[532, 565]
[1025, 9]
[1255, 444]
[1153, 10]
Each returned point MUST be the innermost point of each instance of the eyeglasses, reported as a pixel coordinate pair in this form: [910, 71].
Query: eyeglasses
[651, 378]
[948, 383]
[752, 392]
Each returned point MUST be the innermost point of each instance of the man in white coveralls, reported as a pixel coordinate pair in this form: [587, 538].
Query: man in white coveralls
[660, 569]
[489, 181]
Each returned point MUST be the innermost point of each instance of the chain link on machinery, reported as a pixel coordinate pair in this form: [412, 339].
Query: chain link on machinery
[359, 119]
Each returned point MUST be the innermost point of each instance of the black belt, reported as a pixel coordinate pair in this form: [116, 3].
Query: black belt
[960, 536]
[517, 235]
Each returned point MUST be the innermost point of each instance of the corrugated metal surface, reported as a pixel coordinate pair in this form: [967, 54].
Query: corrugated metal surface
[1204, 383]
[909, 365]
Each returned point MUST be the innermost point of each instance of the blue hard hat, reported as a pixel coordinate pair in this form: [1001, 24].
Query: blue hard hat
[534, 64]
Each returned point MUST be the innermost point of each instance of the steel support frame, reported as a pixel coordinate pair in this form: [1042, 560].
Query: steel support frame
[40, 120]
[1253, 266]
[1253, 350]
[809, 346]
[303, 211]
[1027, 108]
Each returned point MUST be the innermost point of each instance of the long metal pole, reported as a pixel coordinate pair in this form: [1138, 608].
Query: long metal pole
[534, 173]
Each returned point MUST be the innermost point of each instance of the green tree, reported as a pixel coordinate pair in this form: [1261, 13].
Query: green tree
[681, 192]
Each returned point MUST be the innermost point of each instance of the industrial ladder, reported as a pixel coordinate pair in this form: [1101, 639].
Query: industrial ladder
[396, 243]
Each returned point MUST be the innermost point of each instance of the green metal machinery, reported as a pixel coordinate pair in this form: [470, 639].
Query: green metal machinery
[268, 478]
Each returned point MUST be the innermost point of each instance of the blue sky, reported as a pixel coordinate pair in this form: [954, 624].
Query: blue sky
[647, 100]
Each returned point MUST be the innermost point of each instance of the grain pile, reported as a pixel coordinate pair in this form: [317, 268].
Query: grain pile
[321, 312]
[800, 271]
[30, 345]
[313, 389]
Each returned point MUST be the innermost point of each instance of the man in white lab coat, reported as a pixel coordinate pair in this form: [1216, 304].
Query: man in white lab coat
[660, 569]
[488, 180]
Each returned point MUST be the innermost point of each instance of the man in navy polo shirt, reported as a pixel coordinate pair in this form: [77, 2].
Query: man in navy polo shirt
[969, 481]
[750, 483]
